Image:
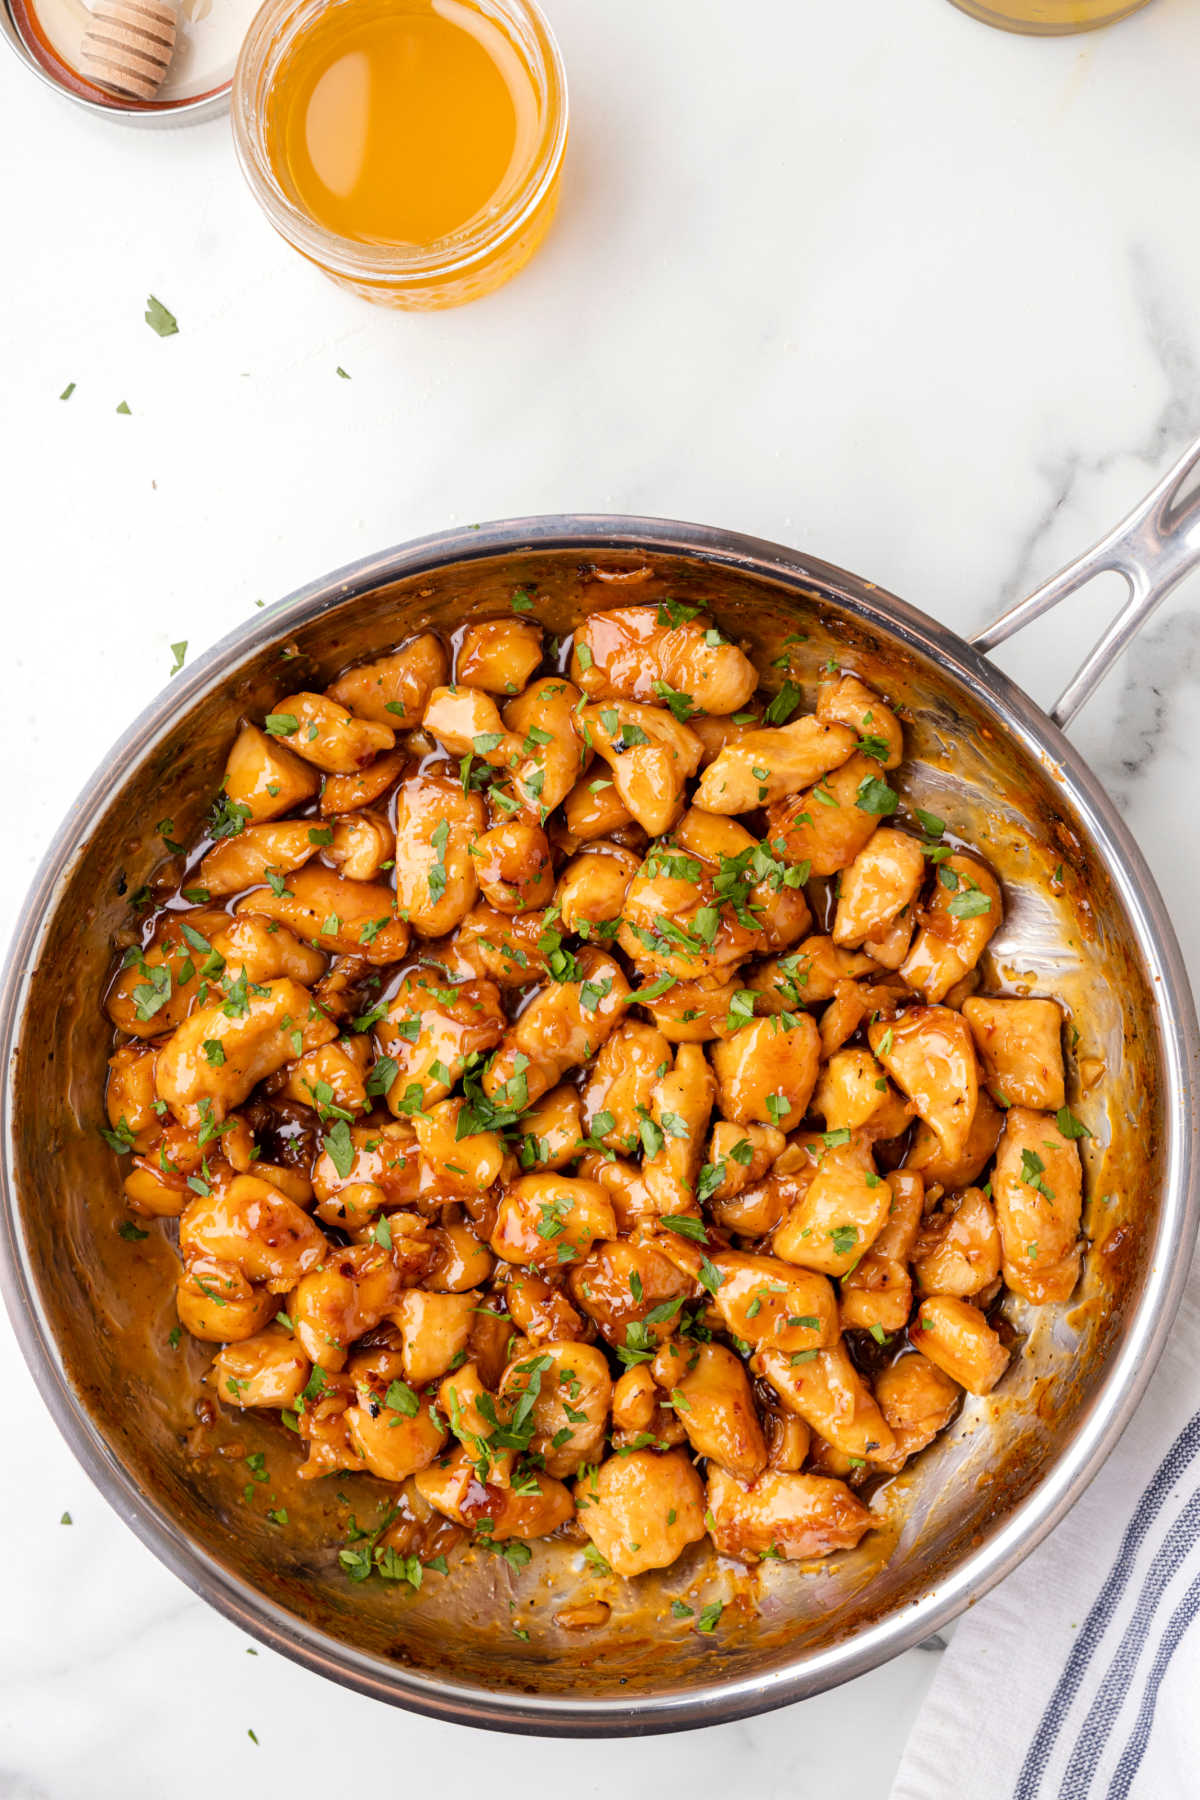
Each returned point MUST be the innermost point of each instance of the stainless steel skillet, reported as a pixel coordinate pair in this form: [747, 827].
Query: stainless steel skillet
[1084, 918]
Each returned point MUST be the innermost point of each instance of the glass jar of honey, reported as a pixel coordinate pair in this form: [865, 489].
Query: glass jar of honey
[1049, 18]
[412, 149]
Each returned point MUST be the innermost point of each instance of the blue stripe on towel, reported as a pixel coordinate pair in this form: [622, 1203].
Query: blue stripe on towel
[1183, 1616]
[1172, 1466]
[1109, 1697]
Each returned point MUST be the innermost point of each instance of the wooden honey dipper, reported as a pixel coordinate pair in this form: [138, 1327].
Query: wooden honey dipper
[128, 45]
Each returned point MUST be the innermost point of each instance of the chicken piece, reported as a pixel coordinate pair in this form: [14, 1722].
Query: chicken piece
[480, 1423]
[434, 1330]
[956, 1337]
[430, 1030]
[651, 756]
[352, 1292]
[619, 1090]
[958, 1250]
[1020, 1045]
[710, 1392]
[395, 1432]
[826, 826]
[542, 1311]
[268, 1369]
[219, 1054]
[642, 1510]
[384, 1158]
[594, 809]
[154, 1195]
[781, 1514]
[927, 1157]
[504, 948]
[218, 1304]
[743, 877]
[255, 1228]
[552, 751]
[563, 1026]
[809, 976]
[788, 1438]
[854, 1093]
[452, 1486]
[244, 861]
[769, 1304]
[552, 1130]
[513, 866]
[347, 918]
[882, 881]
[324, 733]
[766, 1072]
[436, 826]
[929, 1054]
[632, 1292]
[635, 1400]
[841, 1213]
[1038, 1189]
[591, 889]
[849, 701]
[715, 732]
[963, 913]
[739, 1156]
[331, 1077]
[492, 1340]
[626, 1189]
[651, 652]
[321, 1426]
[155, 987]
[694, 1012]
[673, 923]
[570, 1390]
[393, 690]
[343, 794]
[129, 1096]
[891, 949]
[918, 1400]
[457, 1160]
[499, 655]
[681, 1107]
[763, 767]
[876, 1294]
[363, 845]
[829, 1394]
[467, 722]
[545, 1221]
[264, 950]
[262, 780]
[460, 1261]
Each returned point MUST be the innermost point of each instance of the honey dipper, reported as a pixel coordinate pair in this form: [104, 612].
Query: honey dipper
[128, 45]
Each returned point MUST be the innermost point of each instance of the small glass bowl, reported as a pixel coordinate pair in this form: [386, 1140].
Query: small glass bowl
[466, 264]
[1049, 18]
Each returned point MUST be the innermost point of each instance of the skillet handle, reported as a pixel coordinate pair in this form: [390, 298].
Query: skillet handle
[1154, 547]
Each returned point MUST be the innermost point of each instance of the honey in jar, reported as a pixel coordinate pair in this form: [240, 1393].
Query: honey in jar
[1049, 18]
[411, 147]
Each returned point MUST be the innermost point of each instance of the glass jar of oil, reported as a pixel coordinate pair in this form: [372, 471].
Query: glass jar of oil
[412, 149]
[1049, 18]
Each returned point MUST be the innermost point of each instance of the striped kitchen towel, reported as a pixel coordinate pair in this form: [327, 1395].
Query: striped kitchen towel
[1078, 1678]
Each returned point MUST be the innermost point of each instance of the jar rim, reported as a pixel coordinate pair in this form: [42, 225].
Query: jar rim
[268, 40]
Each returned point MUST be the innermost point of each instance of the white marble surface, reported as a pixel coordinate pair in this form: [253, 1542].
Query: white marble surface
[868, 279]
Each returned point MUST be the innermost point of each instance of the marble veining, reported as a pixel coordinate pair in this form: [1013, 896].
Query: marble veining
[915, 296]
